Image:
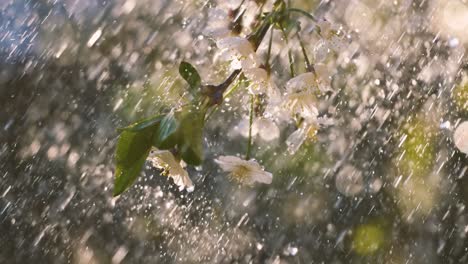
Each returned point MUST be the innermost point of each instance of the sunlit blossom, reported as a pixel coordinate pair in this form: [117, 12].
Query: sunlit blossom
[165, 160]
[300, 98]
[244, 171]
[301, 93]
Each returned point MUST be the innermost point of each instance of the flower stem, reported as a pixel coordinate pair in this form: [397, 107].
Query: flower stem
[268, 66]
[304, 13]
[309, 66]
[290, 56]
[251, 115]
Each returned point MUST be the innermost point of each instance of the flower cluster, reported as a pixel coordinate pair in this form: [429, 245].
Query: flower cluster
[238, 31]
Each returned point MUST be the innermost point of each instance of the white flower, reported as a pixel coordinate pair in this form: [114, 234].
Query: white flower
[301, 92]
[300, 98]
[244, 171]
[165, 160]
[302, 104]
[460, 137]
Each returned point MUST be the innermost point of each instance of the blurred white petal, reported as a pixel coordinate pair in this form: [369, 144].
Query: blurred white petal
[266, 129]
[460, 137]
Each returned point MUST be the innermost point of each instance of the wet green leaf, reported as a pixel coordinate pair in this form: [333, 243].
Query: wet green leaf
[192, 138]
[142, 124]
[190, 74]
[166, 136]
[131, 153]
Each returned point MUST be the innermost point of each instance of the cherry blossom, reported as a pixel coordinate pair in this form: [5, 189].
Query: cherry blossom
[244, 171]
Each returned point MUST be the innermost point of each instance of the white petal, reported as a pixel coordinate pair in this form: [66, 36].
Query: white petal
[296, 139]
[324, 76]
[164, 159]
[302, 104]
[250, 169]
[266, 128]
[258, 75]
[217, 32]
[301, 82]
[228, 163]
[309, 113]
[259, 80]
[238, 44]
[460, 137]
[261, 176]
[251, 61]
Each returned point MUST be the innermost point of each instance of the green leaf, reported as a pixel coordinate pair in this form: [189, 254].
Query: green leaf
[166, 136]
[142, 124]
[190, 74]
[191, 129]
[132, 150]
